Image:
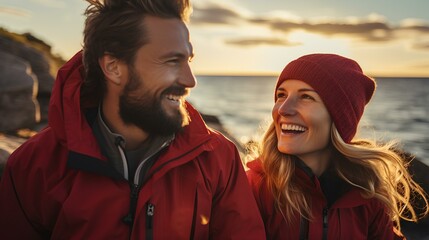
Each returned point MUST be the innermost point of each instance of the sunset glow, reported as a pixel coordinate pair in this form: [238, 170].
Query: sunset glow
[241, 37]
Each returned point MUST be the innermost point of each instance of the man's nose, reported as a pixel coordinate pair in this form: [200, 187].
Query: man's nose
[187, 78]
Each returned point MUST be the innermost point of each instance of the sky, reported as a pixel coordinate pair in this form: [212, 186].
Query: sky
[259, 37]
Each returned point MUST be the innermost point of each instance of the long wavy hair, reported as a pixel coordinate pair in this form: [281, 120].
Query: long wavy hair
[378, 169]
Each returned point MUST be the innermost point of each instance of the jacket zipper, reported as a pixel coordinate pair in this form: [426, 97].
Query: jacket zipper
[150, 211]
[129, 219]
[135, 189]
[303, 229]
[325, 223]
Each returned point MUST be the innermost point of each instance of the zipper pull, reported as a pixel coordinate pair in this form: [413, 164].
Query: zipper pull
[325, 223]
[325, 217]
[150, 211]
[129, 218]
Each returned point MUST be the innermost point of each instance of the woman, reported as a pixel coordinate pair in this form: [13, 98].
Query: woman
[313, 179]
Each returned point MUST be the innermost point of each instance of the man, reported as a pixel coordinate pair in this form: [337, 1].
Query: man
[124, 156]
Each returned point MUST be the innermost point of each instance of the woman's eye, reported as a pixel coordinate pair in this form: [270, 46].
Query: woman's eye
[281, 95]
[306, 96]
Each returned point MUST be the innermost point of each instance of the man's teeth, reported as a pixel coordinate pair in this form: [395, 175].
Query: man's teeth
[173, 97]
[293, 127]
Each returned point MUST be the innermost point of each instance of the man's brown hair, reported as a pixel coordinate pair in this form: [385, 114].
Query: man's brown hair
[116, 27]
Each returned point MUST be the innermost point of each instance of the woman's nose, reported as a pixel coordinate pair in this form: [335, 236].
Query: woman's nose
[288, 107]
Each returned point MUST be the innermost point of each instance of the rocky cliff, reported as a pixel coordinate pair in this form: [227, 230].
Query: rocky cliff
[27, 67]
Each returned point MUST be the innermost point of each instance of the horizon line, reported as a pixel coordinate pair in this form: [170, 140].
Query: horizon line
[276, 75]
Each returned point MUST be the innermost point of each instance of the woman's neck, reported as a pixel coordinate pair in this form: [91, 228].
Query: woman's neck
[317, 161]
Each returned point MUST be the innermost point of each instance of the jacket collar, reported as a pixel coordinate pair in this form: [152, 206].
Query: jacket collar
[113, 146]
[345, 198]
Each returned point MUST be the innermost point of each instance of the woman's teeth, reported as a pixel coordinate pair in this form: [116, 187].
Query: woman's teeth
[293, 127]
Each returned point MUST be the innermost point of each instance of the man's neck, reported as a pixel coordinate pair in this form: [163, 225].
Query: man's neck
[133, 135]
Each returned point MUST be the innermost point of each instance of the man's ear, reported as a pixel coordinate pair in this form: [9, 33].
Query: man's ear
[111, 68]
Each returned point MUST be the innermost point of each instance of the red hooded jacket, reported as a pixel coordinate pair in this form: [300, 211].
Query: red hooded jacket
[350, 217]
[58, 185]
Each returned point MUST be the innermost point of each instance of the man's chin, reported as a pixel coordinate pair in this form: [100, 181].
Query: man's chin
[178, 115]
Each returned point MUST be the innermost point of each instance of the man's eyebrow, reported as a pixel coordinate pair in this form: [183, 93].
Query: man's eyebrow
[180, 54]
[177, 55]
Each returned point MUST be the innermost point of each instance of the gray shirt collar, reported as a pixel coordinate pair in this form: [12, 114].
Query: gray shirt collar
[109, 141]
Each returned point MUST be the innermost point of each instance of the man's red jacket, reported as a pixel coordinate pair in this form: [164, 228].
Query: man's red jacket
[58, 185]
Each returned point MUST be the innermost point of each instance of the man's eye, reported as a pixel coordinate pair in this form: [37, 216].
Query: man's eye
[173, 61]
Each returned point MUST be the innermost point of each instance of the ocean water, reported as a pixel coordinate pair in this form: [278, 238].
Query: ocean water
[398, 110]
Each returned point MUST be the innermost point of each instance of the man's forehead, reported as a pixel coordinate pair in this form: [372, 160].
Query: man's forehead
[167, 36]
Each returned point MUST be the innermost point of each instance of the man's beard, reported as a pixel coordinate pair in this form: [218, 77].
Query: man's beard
[146, 111]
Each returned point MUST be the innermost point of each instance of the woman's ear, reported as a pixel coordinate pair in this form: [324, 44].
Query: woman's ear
[111, 68]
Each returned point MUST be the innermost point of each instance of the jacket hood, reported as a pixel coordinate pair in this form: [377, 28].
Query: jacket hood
[67, 114]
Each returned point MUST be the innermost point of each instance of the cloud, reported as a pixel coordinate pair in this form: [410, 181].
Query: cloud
[214, 14]
[246, 42]
[414, 24]
[363, 29]
[416, 28]
[15, 12]
[373, 28]
[421, 46]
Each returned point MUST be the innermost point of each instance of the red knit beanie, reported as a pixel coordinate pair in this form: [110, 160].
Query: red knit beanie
[340, 82]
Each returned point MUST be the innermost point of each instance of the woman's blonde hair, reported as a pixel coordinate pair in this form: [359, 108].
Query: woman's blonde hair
[378, 169]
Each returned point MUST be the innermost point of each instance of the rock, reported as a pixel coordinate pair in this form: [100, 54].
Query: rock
[419, 230]
[3, 158]
[17, 94]
[40, 65]
[38, 62]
